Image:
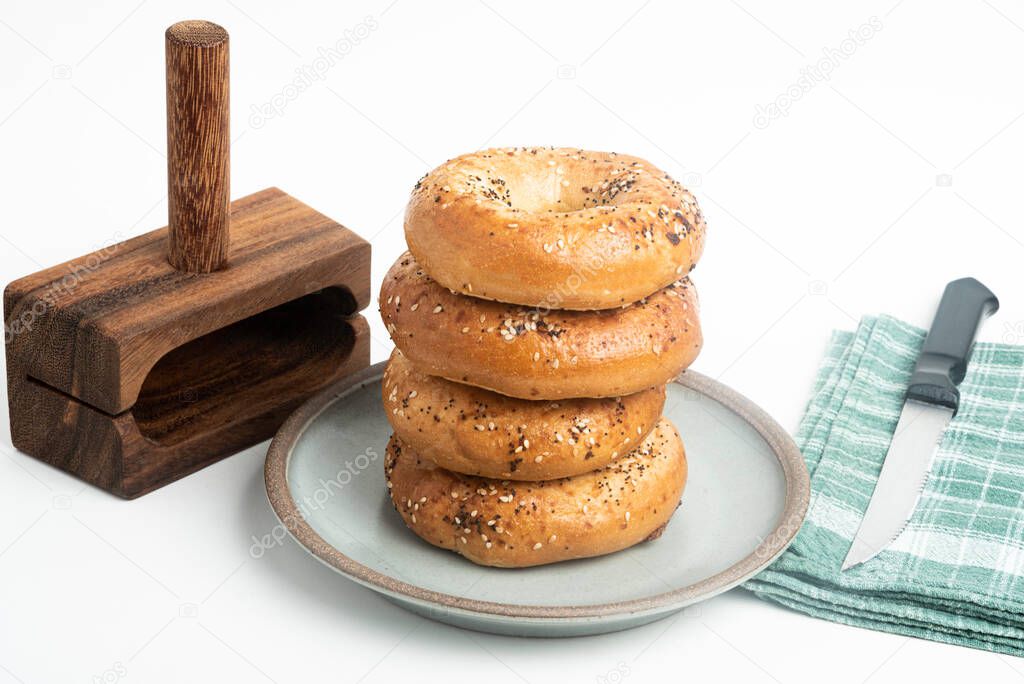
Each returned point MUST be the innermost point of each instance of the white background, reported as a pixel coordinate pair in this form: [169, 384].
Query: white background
[900, 172]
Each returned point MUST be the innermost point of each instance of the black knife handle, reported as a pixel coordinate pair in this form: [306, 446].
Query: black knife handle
[942, 365]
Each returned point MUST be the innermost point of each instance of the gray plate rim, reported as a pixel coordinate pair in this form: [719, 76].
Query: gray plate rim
[782, 445]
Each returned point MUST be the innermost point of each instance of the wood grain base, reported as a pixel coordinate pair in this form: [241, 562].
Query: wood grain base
[131, 374]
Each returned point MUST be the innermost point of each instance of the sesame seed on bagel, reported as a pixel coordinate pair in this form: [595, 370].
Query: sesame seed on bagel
[507, 523]
[560, 228]
[479, 432]
[539, 353]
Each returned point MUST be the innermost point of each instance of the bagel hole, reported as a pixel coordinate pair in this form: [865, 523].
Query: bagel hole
[539, 193]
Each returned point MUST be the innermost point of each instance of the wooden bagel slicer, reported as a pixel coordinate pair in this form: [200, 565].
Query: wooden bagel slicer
[145, 361]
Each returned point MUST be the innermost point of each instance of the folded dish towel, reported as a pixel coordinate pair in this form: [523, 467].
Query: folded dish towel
[956, 573]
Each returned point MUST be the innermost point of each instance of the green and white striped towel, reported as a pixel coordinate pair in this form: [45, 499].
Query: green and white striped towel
[956, 573]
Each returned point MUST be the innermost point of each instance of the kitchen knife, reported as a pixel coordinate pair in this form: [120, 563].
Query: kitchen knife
[931, 401]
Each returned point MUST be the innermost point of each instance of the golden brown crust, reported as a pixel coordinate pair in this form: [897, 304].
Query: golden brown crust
[518, 524]
[540, 354]
[560, 228]
[478, 432]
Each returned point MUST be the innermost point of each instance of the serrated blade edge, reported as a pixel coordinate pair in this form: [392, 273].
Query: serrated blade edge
[901, 480]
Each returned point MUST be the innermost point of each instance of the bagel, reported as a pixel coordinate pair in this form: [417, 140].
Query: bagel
[538, 354]
[559, 228]
[518, 524]
[478, 432]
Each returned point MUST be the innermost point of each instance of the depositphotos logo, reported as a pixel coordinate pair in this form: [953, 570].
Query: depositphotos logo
[812, 75]
[326, 490]
[309, 74]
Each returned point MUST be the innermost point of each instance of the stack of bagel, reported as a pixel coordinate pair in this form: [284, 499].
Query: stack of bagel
[541, 309]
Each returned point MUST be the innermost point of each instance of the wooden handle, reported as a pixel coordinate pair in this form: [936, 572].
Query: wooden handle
[198, 146]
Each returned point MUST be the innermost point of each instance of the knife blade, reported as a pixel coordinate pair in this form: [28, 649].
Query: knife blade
[931, 401]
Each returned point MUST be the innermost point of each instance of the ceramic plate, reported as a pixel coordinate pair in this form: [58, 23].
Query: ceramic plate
[744, 501]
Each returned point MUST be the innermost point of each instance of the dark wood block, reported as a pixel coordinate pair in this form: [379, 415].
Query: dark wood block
[131, 374]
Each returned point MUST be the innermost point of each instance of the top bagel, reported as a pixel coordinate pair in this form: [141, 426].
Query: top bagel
[557, 228]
